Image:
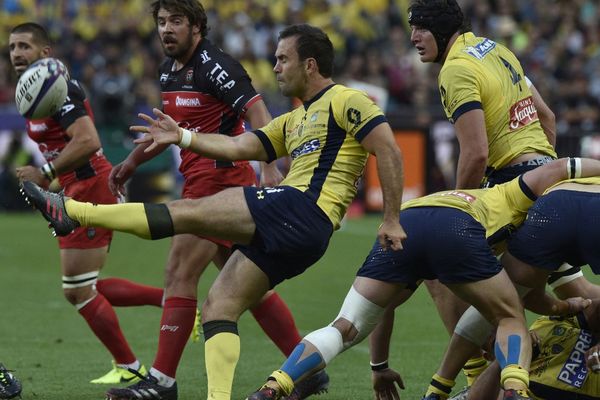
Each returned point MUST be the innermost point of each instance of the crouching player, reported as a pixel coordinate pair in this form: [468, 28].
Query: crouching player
[561, 227]
[564, 362]
[467, 224]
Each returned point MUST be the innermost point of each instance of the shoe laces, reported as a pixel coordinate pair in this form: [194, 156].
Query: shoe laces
[145, 380]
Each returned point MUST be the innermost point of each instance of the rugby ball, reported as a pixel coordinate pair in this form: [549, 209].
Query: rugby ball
[42, 89]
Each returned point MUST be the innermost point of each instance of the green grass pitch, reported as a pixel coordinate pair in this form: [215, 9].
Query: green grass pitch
[56, 355]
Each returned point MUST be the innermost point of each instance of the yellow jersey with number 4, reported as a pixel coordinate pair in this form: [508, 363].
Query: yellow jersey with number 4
[482, 74]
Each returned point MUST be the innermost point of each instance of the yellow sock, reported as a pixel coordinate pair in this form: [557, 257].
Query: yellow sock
[285, 382]
[221, 354]
[440, 386]
[514, 377]
[473, 368]
[148, 221]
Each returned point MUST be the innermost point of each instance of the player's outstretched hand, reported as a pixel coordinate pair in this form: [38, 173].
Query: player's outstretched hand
[571, 306]
[162, 130]
[390, 235]
[384, 384]
[119, 175]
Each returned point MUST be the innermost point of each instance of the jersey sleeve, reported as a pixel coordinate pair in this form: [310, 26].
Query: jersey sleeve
[229, 82]
[519, 197]
[356, 113]
[272, 136]
[74, 106]
[459, 89]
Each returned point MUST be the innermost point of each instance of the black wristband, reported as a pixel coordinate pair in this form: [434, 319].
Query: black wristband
[380, 366]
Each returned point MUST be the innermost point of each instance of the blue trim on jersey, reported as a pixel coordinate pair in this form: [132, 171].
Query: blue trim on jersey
[271, 154]
[471, 105]
[317, 97]
[296, 369]
[526, 189]
[333, 143]
[369, 126]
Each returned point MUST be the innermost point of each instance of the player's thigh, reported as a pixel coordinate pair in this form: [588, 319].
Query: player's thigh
[495, 297]
[79, 261]
[240, 285]
[225, 214]
[381, 293]
[189, 256]
[522, 273]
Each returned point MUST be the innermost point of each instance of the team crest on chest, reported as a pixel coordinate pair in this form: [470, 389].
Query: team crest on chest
[189, 75]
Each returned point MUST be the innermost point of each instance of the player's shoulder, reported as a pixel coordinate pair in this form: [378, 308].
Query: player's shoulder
[341, 93]
[208, 55]
[166, 65]
[75, 88]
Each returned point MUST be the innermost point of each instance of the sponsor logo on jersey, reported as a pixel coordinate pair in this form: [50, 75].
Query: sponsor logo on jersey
[462, 195]
[41, 127]
[170, 328]
[187, 102]
[221, 77]
[205, 57]
[574, 370]
[189, 75]
[481, 49]
[306, 148]
[164, 77]
[522, 114]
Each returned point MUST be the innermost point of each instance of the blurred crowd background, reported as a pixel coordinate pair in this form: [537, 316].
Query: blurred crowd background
[111, 46]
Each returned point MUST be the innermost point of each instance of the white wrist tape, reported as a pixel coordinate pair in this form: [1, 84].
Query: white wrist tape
[186, 138]
[48, 171]
[573, 167]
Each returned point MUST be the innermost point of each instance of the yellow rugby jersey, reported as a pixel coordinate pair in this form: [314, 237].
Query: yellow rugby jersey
[498, 209]
[591, 180]
[323, 137]
[482, 74]
[559, 365]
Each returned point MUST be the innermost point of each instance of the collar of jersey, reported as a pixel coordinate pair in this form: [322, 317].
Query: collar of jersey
[463, 38]
[317, 96]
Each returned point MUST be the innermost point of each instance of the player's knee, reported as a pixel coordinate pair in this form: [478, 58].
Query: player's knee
[473, 327]
[79, 295]
[357, 318]
[77, 289]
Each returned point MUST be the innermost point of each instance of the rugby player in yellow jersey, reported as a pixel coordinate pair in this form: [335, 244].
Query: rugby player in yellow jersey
[452, 236]
[560, 227]
[281, 230]
[484, 93]
[565, 362]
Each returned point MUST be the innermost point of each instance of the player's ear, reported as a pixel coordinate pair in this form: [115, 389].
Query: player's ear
[195, 29]
[46, 51]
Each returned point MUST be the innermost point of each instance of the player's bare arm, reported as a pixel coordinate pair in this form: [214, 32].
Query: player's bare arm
[472, 139]
[258, 116]
[540, 179]
[545, 115]
[164, 130]
[121, 172]
[84, 143]
[381, 143]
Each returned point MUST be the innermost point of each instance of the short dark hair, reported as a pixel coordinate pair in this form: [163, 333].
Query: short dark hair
[192, 9]
[38, 32]
[312, 42]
